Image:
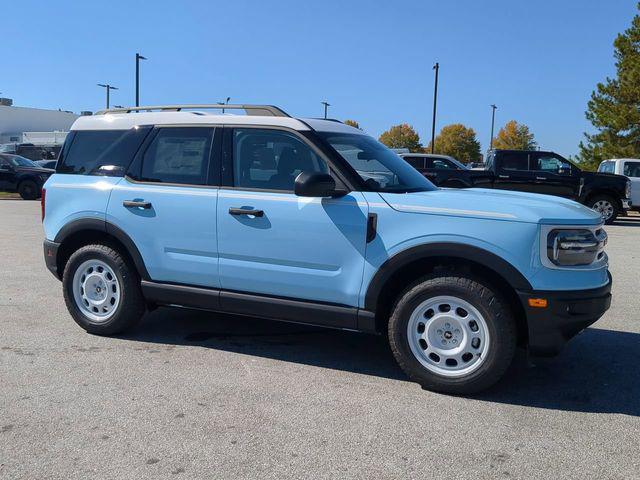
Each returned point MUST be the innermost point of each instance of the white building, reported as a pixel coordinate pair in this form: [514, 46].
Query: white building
[14, 121]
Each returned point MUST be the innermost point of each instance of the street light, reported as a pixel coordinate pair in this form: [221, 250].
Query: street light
[326, 105]
[138, 58]
[493, 118]
[226, 102]
[108, 88]
[436, 67]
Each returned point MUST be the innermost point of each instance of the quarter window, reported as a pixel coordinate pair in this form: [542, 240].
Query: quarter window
[271, 159]
[178, 155]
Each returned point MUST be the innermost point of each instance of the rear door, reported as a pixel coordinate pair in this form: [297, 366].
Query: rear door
[272, 242]
[513, 172]
[7, 175]
[631, 169]
[167, 204]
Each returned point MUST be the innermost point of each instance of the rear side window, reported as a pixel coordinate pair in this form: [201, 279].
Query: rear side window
[415, 162]
[178, 155]
[101, 152]
[514, 161]
[632, 169]
[607, 167]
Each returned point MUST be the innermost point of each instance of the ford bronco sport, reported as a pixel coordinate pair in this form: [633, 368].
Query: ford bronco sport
[312, 221]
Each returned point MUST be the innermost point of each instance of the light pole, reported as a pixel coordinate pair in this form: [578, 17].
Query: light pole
[436, 67]
[226, 102]
[138, 58]
[493, 118]
[108, 88]
[326, 105]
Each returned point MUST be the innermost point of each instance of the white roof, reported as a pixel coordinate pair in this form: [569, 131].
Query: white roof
[124, 121]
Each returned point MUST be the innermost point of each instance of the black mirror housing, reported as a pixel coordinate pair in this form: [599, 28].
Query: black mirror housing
[315, 184]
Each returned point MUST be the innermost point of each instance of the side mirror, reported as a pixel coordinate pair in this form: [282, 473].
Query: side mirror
[315, 184]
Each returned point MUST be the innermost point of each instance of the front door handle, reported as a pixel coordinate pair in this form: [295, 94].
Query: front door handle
[246, 211]
[136, 204]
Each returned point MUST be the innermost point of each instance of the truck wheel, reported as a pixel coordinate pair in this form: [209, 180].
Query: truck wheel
[28, 190]
[606, 206]
[102, 290]
[452, 333]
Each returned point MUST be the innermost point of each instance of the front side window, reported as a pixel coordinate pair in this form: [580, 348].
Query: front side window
[178, 155]
[18, 161]
[631, 169]
[441, 164]
[271, 159]
[380, 168]
[551, 164]
[101, 152]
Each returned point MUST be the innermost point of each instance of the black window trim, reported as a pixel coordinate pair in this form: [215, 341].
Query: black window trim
[134, 172]
[227, 176]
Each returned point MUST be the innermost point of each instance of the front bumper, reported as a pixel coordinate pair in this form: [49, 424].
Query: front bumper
[567, 314]
[51, 257]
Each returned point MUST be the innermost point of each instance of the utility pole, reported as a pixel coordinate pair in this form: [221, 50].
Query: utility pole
[325, 108]
[436, 67]
[108, 88]
[493, 118]
[138, 58]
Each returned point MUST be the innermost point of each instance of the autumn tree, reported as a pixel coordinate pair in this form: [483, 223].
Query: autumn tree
[459, 142]
[402, 136]
[352, 123]
[614, 107]
[514, 136]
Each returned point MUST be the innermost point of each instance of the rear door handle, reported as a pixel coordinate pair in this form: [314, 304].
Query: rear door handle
[136, 204]
[541, 178]
[246, 211]
[503, 176]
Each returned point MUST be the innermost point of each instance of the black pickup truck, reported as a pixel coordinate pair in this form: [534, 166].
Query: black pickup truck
[531, 171]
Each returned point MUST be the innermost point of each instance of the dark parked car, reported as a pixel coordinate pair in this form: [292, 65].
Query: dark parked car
[31, 151]
[446, 171]
[539, 172]
[19, 174]
[47, 163]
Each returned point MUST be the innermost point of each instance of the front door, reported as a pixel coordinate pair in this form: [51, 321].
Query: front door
[631, 169]
[554, 175]
[272, 242]
[7, 175]
[167, 205]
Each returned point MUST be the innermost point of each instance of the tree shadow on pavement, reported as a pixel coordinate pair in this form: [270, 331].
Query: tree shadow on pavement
[597, 372]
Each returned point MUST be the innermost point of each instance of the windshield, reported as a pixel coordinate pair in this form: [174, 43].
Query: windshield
[18, 161]
[380, 168]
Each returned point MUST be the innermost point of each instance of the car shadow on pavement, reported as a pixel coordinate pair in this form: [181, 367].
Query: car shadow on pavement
[597, 372]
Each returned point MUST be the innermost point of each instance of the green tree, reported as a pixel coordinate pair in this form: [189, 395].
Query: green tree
[614, 107]
[514, 136]
[458, 141]
[402, 136]
[352, 123]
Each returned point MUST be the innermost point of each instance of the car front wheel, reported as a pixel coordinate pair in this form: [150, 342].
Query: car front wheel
[606, 206]
[452, 333]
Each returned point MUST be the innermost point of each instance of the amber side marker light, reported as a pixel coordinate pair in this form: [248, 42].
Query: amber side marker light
[538, 302]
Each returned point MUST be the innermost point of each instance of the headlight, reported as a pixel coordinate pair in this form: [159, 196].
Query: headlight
[575, 247]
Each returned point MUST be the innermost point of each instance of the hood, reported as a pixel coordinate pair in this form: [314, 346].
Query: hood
[47, 171]
[495, 205]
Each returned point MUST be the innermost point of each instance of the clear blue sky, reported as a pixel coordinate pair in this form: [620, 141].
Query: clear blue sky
[372, 60]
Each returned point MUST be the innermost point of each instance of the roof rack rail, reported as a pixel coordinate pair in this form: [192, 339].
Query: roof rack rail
[255, 110]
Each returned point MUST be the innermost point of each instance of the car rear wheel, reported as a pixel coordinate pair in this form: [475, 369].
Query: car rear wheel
[102, 290]
[452, 334]
[28, 190]
[606, 206]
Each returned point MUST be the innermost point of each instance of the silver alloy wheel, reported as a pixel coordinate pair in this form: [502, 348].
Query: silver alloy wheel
[604, 208]
[96, 290]
[448, 336]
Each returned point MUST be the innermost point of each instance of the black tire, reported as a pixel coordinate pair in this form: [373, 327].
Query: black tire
[131, 307]
[500, 325]
[605, 198]
[29, 190]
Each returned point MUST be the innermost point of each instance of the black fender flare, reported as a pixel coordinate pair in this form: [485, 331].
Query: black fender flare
[477, 255]
[96, 224]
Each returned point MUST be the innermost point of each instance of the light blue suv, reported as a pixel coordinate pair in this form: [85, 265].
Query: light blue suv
[313, 221]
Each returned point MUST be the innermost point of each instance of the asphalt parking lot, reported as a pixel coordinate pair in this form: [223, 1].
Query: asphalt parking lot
[198, 395]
